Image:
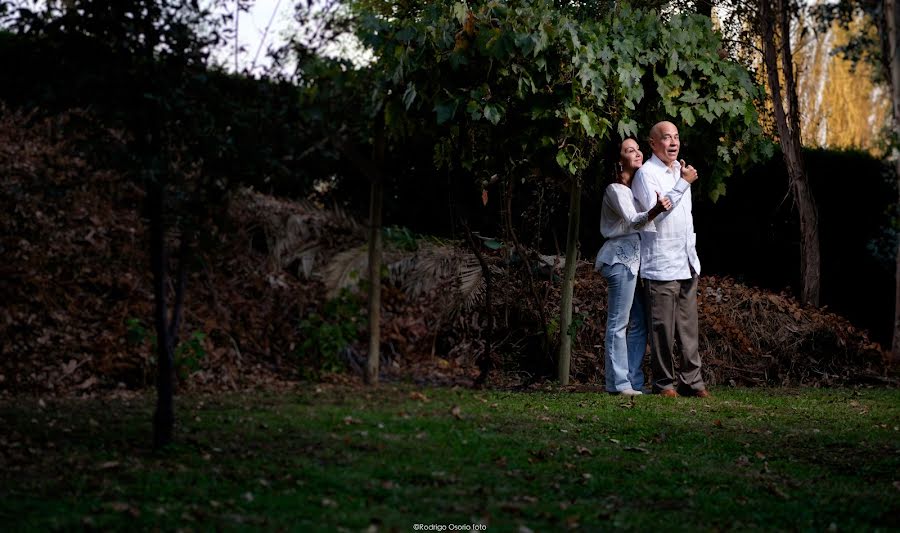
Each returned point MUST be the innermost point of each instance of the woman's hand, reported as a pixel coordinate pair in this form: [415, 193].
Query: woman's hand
[688, 173]
[662, 204]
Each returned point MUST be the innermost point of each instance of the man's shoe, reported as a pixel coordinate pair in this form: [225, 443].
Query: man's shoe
[668, 393]
[702, 394]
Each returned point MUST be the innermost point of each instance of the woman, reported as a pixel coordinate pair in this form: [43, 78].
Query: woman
[619, 261]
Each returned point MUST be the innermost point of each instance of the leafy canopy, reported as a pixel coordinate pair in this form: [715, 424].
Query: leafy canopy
[543, 86]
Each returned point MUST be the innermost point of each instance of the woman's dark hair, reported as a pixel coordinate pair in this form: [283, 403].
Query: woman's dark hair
[614, 156]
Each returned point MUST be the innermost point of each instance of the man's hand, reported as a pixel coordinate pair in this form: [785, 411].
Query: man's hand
[688, 173]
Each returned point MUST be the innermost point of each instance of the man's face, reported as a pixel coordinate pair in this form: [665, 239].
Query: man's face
[665, 142]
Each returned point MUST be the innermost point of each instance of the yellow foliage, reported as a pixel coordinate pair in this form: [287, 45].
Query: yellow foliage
[840, 105]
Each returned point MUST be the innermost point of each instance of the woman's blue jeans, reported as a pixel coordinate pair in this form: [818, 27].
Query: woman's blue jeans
[626, 329]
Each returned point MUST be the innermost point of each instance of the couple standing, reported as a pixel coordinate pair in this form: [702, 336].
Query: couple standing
[646, 219]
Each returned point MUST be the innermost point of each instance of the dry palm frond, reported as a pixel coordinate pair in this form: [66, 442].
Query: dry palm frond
[302, 236]
[430, 267]
[346, 269]
[454, 271]
[472, 285]
[298, 232]
[297, 241]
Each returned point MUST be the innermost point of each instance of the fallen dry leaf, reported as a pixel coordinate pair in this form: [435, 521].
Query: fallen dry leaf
[636, 449]
[117, 506]
[418, 396]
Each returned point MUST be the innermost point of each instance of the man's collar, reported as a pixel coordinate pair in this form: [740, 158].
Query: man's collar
[662, 166]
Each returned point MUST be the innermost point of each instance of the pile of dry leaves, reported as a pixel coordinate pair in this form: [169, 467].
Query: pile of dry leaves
[76, 281]
[748, 336]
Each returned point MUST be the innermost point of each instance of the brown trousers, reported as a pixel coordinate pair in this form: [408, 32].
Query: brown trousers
[671, 316]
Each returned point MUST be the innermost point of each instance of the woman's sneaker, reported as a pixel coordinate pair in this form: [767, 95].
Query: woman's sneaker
[627, 392]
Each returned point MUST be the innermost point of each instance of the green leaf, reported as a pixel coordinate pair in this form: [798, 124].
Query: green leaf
[562, 159]
[459, 11]
[606, 54]
[627, 127]
[445, 111]
[587, 124]
[723, 153]
[409, 96]
[672, 63]
[669, 107]
[690, 97]
[717, 192]
[474, 109]
[405, 35]
[525, 43]
[457, 59]
[541, 40]
[688, 116]
[492, 113]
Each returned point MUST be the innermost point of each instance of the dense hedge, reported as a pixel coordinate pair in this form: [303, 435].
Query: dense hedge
[753, 233]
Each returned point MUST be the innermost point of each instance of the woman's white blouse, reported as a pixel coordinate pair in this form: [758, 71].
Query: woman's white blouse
[620, 223]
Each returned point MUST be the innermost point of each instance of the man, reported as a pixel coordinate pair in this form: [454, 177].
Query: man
[669, 267]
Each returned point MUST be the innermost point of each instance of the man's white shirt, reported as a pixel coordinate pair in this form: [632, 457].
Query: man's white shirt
[668, 243]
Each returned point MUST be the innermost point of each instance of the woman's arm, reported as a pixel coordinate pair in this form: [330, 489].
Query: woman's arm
[622, 202]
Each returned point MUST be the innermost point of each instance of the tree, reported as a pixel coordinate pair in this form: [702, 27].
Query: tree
[774, 27]
[327, 86]
[891, 40]
[540, 90]
[159, 49]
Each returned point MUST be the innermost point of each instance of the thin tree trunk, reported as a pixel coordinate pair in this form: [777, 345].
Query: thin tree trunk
[565, 339]
[164, 417]
[788, 125]
[526, 256]
[891, 39]
[375, 248]
[485, 360]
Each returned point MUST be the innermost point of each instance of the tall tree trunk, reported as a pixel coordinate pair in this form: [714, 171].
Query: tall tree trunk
[788, 124]
[375, 248]
[565, 320]
[891, 39]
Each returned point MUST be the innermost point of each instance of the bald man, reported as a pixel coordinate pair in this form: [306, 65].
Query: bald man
[669, 267]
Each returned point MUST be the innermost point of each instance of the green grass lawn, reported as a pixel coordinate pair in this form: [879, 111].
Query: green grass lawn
[326, 459]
